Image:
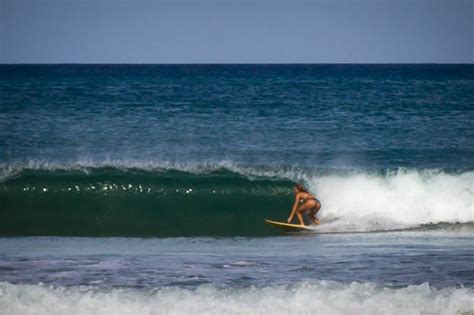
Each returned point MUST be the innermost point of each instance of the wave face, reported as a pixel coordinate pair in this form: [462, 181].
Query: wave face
[215, 200]
[115, 202]
[318, 298]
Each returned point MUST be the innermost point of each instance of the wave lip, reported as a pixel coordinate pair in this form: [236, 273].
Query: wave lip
[12, 170]
[324, 297]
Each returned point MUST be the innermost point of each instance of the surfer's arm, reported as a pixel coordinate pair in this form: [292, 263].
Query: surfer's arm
[293, 210]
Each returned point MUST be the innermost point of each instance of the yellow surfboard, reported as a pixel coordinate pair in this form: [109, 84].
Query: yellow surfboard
[288, 227]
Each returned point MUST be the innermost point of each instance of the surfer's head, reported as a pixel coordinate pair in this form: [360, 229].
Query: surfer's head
[299, 188]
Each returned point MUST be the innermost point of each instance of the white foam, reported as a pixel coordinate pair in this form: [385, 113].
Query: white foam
[404, 199]
[317, 298]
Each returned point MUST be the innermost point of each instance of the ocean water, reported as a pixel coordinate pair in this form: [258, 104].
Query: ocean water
[142, 189]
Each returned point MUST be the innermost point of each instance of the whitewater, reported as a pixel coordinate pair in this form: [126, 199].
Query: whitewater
[398, 200]
[320, 298]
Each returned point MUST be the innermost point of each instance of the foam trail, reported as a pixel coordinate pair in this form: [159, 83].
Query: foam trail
[400, 200]
[317, 298]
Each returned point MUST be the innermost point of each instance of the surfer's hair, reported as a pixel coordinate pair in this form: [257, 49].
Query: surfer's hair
[301, 188]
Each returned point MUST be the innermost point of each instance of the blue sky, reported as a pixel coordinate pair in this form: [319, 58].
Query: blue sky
[236, 31]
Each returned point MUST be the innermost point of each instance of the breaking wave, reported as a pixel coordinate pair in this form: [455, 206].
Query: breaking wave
[139, 199]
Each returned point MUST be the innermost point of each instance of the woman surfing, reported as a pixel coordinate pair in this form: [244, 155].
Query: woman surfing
[304, 201]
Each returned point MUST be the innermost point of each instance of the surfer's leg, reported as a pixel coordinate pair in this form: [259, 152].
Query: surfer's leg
[303, 208]
[312, 214]
[300, 217]
[313, 218]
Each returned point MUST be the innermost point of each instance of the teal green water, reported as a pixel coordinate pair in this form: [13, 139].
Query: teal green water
[136, 203]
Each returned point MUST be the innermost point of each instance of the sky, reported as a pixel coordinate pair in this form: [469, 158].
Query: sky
[236, 31]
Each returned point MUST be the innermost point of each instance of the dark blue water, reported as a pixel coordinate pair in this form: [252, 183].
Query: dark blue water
[371, 116]
[175, 167]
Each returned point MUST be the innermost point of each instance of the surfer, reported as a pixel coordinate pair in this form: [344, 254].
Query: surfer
[304, 201]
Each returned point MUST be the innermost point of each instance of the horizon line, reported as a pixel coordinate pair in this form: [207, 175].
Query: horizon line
[239, 63]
